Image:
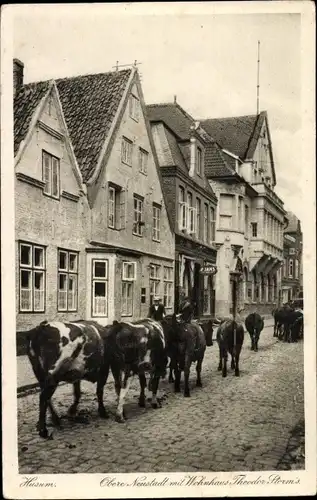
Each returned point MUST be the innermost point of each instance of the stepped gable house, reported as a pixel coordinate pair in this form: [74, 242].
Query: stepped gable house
[92, 232]
[250, 217]
[180, 145]
[292, 285]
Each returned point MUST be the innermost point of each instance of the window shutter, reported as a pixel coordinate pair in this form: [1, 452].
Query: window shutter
[55, 177]
[46, 173]
[122, 209]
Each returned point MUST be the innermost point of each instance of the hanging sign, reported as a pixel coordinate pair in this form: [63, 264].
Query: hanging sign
[208, 269]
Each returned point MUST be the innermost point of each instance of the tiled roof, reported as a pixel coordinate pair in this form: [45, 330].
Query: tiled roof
[89, 103]
[174, 116]
[218, 164]
[292, 223]
[26, 101]
[233, 134]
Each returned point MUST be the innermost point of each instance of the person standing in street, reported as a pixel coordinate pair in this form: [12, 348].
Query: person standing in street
[157, 310]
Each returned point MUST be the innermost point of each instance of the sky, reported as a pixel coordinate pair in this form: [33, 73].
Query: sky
[209, 61]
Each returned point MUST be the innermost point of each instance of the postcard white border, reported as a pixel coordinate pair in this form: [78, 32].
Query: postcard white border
[73, 486]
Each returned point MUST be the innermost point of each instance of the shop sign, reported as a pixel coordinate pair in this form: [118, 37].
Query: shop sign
[208, 269]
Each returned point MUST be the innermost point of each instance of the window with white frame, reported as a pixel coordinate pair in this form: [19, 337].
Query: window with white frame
[155, 281]
[246, 221]
[116, 207]
[191, 215]
[254, 227]
[112, 208]
[143, 160]
[291, 268]
[198, 215]
[126, 151]
[67, 280]
[205, 222]
[212, 225]
[168, 286]
[156, 223]
[134, 107]
[127, 285]
[99, 288]
[199, 161]
[182, 213]
[32, 277]
[51, 173]
[138, 208]
[226, 202]
[296, 269]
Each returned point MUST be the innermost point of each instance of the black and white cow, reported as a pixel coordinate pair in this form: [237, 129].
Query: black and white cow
[136, 349]
[68, 352]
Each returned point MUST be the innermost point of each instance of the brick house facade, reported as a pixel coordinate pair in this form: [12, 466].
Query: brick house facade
[93, 237]
[250, 218]
[292, 286]
[180, 146]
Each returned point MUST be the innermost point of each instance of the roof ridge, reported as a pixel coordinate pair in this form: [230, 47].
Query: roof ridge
[231, 117]
[177, 105]
[77, 76]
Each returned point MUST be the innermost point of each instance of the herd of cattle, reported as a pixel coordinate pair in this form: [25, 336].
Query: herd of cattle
[85, 350]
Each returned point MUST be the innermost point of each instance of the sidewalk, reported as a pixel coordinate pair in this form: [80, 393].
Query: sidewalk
[27, 381]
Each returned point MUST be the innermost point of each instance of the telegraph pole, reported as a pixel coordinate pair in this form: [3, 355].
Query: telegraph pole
[258, 82]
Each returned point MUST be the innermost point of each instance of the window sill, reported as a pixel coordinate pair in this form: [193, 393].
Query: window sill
[156, 241]
[67, 310]
[134, 119]
[56, 198]
[115, 228]
[31, 312]
[143, 173]
[138, 235]
[126, 315]
[125, 163]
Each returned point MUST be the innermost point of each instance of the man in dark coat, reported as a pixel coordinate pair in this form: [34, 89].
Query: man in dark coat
[186, 310]
[157, 310]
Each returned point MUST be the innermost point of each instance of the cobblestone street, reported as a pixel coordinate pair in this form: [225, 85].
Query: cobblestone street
[230, 424]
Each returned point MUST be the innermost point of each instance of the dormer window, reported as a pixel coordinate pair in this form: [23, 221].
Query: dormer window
[199, 161]
[134, 104]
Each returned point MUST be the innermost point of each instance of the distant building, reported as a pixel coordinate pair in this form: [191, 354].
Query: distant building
[181, 150]
[93, 237]
[250, 217]
[292, 275]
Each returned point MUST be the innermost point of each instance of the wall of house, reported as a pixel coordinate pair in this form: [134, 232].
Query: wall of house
[42, 220]
[115, 262]
[133, 182]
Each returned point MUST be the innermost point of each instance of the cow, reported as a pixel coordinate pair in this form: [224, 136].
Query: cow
[293, 325]
[254, 324]
[136, 348]
[280, 320]
[207, 328]
[285, 318]
[68, 352]
[230, 337]
[186, 344]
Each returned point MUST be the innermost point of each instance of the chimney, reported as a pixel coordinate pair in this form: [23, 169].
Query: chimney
[18, 68]
[175, 99]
